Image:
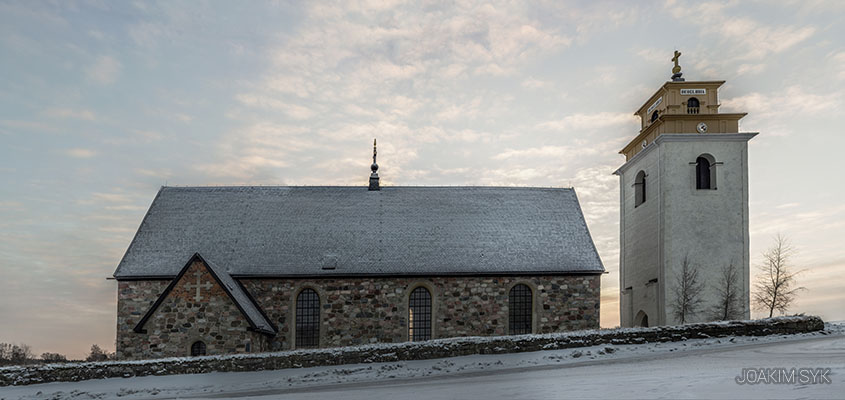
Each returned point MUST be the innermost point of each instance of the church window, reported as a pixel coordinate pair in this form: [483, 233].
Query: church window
[705, 172]
[639, 188]
[693, 106]
[654, 116]
[520, 307]
[307, 319]
[198, 348]
[419, 315]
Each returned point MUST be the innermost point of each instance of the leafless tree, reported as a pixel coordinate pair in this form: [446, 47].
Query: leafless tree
[728, 305]
[688, 289]
[53, 357]
[775, 284]
[15, 353]
[97, 354]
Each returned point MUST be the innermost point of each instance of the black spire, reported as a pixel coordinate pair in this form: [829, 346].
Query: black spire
[374, 176]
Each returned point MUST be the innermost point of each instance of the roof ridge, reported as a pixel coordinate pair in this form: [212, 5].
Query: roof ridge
[364, 187]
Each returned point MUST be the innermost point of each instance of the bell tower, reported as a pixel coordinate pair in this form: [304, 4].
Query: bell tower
[683, 196]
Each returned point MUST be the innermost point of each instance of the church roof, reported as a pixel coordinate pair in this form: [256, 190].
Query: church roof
[283, 231]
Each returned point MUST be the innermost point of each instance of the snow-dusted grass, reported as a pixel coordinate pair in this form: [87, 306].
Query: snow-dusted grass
[695, 368]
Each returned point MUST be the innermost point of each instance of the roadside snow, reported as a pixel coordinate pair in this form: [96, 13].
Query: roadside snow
[691, 369]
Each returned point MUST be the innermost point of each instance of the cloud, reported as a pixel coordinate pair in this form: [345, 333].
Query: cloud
[581, 121]
[532, 83]
[545, 151]
[111, 197]
[839, 61]
[104, 71]
[294, 111]
[743, 38]
[783, 104]
[86, 115]
[81, 153]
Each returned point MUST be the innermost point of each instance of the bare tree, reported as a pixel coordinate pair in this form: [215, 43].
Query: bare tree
[727, 287]
[687, 290]
[53, 357]
[774, 286]
[15, 353]
[97, 354]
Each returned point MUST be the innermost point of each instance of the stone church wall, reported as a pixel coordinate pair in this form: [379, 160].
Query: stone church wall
[370, 310]
[182, 319]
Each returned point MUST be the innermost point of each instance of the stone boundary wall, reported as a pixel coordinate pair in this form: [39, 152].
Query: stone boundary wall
[439, 348]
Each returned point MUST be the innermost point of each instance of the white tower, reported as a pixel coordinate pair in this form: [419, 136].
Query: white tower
[684, 195]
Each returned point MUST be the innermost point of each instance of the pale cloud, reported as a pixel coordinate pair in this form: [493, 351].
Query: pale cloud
[294, 111]
[86, 115]
[745, 69]
[183, 117]
[81, 153]
[746, 38]
[257, 151]
[156, 173]
[111, 197]
[148, 136]
[104, 71]
[839, 64]
[580, 121]
[783, 103]
[533, 83]
[546, 151]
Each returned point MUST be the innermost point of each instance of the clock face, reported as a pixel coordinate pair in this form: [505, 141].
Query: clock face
[702, 127]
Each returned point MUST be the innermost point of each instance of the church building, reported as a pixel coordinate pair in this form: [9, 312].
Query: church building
[239, 269]
[684, 200]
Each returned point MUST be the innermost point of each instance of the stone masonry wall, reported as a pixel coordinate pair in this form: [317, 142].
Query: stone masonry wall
[134, 298]
[375, 310]
[356, 311]
[27, 375]
[188, 315]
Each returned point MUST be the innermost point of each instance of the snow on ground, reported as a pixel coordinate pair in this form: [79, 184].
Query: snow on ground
[700, 368]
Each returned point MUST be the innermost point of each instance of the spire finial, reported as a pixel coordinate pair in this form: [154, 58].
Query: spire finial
[374, 185]
[676, 70]
[374, 167]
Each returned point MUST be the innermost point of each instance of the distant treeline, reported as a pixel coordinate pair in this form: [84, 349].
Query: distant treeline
[19, 354]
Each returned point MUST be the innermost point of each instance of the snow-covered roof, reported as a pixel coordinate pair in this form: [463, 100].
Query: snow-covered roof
[339, 231]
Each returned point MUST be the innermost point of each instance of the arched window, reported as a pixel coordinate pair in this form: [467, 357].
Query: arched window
[419, 315]
[639, 188]
[198, 348]
[520, 307]
[705, 172]
[307, 319]
[693, 106]
[654, 116]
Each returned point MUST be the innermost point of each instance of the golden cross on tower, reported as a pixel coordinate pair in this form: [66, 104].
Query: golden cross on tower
[677, 67]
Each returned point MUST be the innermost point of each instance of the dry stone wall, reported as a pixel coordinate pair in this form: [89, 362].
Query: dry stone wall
[403, 351]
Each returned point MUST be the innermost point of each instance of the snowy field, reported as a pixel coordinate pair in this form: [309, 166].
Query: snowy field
[701, 368]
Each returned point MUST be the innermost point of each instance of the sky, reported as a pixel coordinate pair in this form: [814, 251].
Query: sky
[102, 103]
